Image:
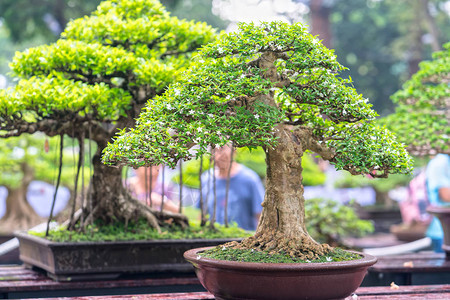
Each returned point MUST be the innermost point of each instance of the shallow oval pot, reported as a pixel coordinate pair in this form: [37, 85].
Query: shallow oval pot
[243, 280]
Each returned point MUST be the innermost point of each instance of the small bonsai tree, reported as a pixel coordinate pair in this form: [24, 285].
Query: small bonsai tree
[16, 176]
[96, 79]
[274, 86]
[24, 159]
[422, 117]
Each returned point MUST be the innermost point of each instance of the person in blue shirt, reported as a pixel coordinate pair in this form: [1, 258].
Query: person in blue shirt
[245, 195]
[438, 191]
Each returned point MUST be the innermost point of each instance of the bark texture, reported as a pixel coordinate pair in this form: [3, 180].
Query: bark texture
[282, 224]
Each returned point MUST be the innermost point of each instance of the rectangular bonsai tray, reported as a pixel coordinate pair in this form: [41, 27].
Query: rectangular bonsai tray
[65, 261]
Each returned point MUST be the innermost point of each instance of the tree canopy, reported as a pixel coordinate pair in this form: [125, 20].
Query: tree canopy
[226, 97]
[422, 117]
[122, 55]
[94, 80]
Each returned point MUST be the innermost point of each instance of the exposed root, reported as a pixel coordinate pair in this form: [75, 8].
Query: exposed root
[166, 217]
[304, 247]
[155, 218]
[131, 210]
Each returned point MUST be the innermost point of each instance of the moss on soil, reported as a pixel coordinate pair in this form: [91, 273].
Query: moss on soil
[249, 255]
[141, 231]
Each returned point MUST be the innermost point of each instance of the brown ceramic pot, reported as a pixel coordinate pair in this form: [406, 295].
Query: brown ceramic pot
[443, 214]
[241, 280]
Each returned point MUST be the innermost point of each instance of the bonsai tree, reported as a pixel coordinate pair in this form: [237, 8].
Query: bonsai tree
[422, 117]
[16, 176]
[95, 80]
[324, 214]
[275, 86]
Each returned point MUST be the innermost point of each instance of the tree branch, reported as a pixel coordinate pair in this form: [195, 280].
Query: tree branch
[53, 127]
[305, 135]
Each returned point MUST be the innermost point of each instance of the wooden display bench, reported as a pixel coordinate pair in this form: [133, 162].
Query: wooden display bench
[18, 282]
[409, 269]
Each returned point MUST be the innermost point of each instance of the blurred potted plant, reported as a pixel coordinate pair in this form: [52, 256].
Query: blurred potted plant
[422, 120]
[277, 87]
[322, 216]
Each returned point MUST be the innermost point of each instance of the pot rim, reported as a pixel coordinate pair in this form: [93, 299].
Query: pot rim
[41, 240]
[365, 261]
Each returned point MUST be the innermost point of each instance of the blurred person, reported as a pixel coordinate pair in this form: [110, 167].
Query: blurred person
[438, 191]
[245, 194]
[140, 189]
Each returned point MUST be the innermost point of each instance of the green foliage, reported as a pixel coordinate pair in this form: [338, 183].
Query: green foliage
[383, 185]
[141, 231]
[104, 64]
[250, 255]
[330, 221]
[219, 100]
[421, 118]
[363, 149]
[63, 97]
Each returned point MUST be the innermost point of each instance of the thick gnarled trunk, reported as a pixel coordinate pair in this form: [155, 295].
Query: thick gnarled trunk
[107, 199]
[282, 224]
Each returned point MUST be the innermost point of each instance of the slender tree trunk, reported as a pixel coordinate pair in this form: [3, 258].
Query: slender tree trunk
[58, 11]
[282, 223]
[415, 49]
[320, 22]
[19, 213]
[432, 28]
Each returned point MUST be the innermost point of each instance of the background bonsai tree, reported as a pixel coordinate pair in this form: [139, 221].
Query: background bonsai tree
[16, 176]
[422, 117]
[23, 160]
[96, 79]
[274, 86]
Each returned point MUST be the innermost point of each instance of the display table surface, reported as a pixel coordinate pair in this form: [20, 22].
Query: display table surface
[363, 293]
[18, 282]
[409, 269]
